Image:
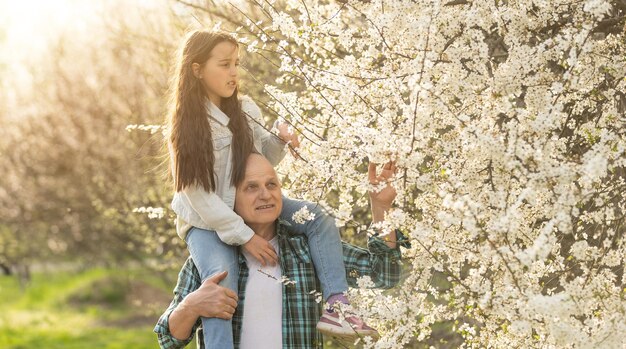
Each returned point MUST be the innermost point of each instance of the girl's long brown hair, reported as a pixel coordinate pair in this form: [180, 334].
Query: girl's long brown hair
[190, 141]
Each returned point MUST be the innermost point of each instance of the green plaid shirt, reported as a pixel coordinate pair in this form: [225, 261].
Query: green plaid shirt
[301, 312]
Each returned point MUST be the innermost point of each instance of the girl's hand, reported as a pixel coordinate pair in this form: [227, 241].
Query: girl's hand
[262, 250]
[285, 132]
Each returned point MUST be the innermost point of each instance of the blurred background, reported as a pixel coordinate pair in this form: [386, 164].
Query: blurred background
[88, 250]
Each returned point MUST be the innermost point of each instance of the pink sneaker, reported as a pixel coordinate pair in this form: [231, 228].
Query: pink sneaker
[352, 327]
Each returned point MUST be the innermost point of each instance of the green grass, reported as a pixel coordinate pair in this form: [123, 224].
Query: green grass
[98, 308]
[90, 338]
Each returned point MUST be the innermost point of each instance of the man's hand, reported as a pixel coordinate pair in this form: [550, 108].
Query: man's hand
[211, 299]
[381, 201]
[262, 250]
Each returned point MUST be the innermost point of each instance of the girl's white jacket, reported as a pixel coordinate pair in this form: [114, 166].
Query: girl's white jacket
[195, 207]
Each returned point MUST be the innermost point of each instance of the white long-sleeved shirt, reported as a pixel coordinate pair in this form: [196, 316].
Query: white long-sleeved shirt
[195, 207]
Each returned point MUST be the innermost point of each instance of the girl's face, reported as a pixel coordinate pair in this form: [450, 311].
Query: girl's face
[219, 73]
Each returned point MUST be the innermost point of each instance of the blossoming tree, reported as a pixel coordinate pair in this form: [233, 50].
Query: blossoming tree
[507, 121]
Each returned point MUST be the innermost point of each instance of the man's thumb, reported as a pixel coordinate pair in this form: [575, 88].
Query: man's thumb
[216, 278]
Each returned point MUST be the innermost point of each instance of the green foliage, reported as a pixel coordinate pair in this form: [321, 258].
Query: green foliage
[105, 338]
[110, 291]
[97, 308]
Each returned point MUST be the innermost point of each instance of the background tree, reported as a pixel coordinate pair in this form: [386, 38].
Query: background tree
[507, 119]
[72, 174]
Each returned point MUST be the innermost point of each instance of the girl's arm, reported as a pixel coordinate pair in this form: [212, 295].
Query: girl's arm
[215, 213]
[273, 147]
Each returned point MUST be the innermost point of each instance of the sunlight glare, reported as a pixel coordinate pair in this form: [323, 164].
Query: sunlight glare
[28, 27]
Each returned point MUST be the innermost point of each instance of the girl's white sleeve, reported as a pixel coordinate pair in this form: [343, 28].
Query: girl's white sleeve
[273, 148]
[218, 216]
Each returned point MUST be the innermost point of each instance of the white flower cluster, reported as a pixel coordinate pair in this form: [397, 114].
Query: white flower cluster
[303, 215]
[286, 281]
[150, 128]
[153, 212]
[318, 296]
[506, 120]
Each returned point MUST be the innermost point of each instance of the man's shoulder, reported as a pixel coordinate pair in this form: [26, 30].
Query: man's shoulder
[189, 271]
[290, 238]
[285, 229]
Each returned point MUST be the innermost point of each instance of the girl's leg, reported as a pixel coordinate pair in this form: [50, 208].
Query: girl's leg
[327, 255]
[211, 256]
[324, 244]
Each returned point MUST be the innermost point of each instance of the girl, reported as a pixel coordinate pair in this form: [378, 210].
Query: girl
[211, 132]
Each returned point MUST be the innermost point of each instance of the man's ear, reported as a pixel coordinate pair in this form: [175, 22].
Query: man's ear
[195, 67]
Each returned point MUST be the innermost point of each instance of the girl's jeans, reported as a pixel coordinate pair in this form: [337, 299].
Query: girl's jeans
[212, 256]
[324, 244]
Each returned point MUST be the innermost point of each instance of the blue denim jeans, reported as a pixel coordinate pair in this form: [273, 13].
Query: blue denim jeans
[212, 256]
[324, 244]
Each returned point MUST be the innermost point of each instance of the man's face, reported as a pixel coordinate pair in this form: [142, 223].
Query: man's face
[259, 198]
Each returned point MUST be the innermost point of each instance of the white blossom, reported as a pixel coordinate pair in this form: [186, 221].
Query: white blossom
[303, 215]
[153, 212]
[505, 119]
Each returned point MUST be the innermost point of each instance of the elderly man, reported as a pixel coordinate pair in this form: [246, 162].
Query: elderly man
[276, 305]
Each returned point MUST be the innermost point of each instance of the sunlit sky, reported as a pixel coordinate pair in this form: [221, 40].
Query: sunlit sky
[27, 26]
